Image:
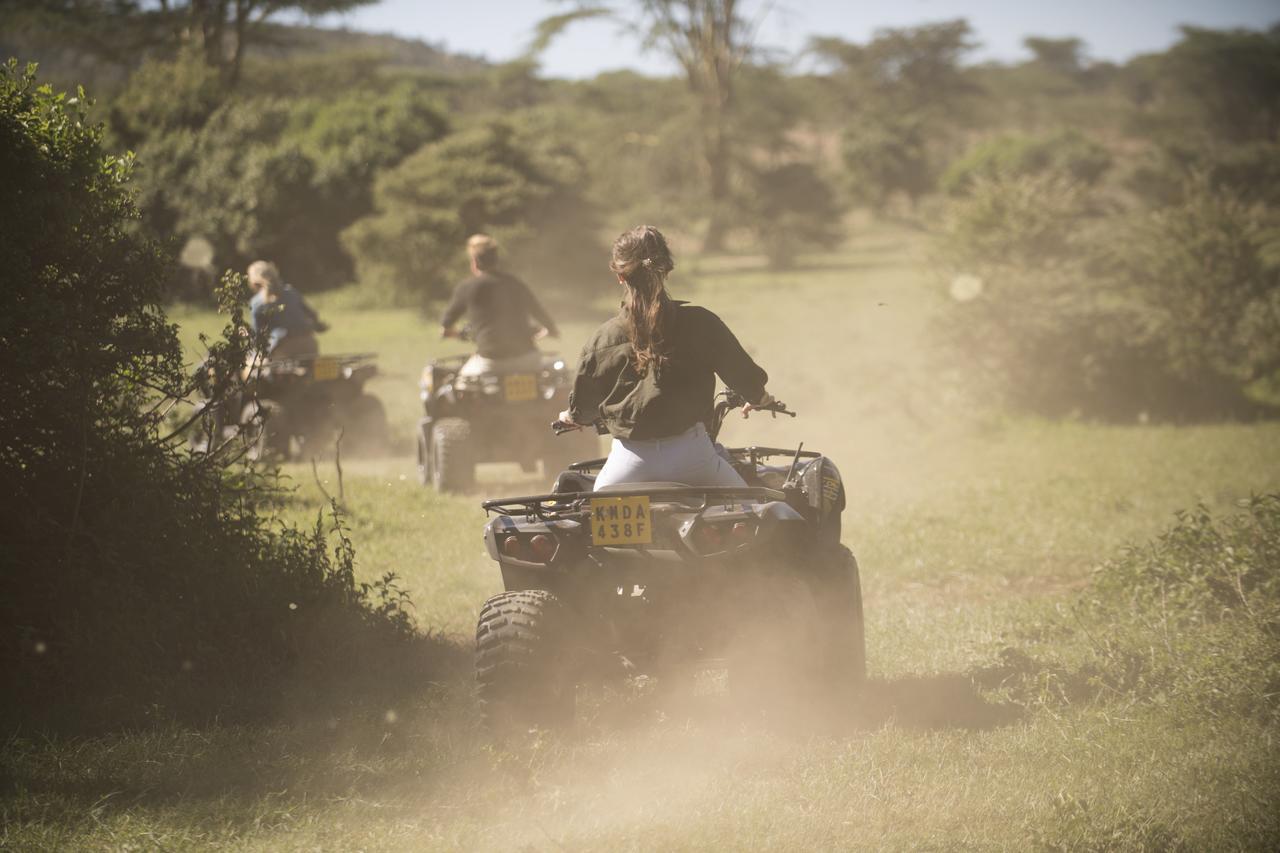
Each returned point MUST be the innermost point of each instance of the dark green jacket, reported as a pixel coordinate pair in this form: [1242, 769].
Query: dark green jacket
[699, 347]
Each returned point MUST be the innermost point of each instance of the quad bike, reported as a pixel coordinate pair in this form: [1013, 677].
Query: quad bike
[664, 578]
[291, 407]
[489, 418]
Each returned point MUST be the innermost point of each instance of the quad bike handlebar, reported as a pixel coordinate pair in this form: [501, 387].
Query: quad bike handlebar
[727, 401]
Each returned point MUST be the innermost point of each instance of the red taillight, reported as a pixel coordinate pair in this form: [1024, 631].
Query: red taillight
[709, 537]
[511, 546]
[543, 547]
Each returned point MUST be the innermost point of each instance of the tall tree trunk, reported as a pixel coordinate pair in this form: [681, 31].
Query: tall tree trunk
[717, 152]
[241, 31]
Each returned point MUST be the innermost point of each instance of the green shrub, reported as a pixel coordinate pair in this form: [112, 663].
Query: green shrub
[1086, 308]
[793, 208]
[490, 178]
[264, 176]
[1189, 622]
[138, 580]
[1069, 154]
[887, 157]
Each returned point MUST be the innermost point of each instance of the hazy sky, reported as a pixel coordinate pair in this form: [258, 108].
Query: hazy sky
[1113, 29]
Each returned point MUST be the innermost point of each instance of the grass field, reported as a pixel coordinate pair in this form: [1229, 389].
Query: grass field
[970, 529]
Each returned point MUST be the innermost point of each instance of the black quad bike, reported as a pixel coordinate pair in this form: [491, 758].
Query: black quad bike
[295, 407]
[490, 418]
[664, 579]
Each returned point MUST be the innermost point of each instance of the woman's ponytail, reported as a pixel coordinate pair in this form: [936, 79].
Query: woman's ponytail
[643, 261]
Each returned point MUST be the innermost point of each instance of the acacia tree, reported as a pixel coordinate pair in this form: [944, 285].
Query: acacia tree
[903, 92]
[710, 40]
[217, 30]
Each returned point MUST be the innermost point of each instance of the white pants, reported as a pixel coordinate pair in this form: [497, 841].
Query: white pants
[688, 458]
[478, 365]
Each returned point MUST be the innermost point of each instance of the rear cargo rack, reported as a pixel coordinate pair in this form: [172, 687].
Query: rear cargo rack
[544, 506]
[753, 453]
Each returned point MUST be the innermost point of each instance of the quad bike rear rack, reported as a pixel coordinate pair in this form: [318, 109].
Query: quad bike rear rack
[753, 453]
[554, 505]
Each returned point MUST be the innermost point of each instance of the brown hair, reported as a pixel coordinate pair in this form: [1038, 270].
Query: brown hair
[483, 250]
[263, 274]
[643, 261]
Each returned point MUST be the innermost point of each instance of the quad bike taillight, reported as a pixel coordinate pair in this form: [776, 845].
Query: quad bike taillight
[539, 548]
[717, 537]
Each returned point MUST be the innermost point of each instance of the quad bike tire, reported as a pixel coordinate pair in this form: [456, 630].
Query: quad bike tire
[364, 425]
[802, 638]
[264, 430]
[424, 458]
[452, 462]
[840, 608]
[523, 676]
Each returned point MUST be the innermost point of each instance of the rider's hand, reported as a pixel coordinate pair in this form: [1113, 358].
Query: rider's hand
[448, 332]
[566, 418]
[763, 403]
[541, 333]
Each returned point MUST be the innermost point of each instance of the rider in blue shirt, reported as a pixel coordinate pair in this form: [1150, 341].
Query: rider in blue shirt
[290, 322]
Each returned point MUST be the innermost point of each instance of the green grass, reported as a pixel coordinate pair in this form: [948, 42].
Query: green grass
[968, 530]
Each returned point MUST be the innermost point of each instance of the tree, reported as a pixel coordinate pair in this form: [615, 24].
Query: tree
[793, 208]
[1063, 56]
[491, 178]
[266, 176]
[218, 31]
[1231, 78]
[710, 40]
[1068, 153]
[903, 93]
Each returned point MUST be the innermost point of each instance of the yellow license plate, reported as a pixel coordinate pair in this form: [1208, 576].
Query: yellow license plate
[325, 369]
[621, 521]
[519, 387]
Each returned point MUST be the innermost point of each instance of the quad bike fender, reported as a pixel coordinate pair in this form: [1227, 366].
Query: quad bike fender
[823, 489]
[781, 526]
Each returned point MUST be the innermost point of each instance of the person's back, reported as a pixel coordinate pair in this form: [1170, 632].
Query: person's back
[504, 315]
[649, 375]
[499, 309]
[283, 313]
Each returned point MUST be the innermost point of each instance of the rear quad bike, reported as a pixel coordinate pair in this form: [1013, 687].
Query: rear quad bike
[664, 579]
[295, 407]
[494, 417]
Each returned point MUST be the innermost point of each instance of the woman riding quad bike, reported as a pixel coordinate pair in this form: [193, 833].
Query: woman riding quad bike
[673, 553]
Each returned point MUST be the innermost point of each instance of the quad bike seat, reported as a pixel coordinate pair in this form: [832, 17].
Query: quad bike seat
[657, 484]
[574, 481]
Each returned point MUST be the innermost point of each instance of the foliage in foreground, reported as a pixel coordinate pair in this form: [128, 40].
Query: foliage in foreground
[138, 581]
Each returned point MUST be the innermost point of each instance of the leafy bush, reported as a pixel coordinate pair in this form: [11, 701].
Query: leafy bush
[490, 178]
[1188, 621]
[1170, 313]
[1069, 154]
[793, 208]
[136, 580]
[1036, 335]
[265, 176]
[1250, 173]
[888, 157]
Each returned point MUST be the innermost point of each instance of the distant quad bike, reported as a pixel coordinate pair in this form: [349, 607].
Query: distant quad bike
[664, 579]
[295, 407]
[495, 417]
